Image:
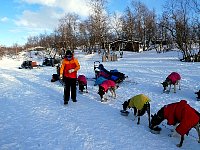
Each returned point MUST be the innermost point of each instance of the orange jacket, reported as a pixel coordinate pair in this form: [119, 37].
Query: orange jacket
[67, 65]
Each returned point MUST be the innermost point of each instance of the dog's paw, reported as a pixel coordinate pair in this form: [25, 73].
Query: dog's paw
[178, 145]
[104, 100]
[166, 91]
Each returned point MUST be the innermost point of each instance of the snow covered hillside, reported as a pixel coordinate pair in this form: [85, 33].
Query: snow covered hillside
[33, 117]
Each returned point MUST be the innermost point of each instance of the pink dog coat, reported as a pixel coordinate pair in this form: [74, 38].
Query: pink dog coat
[82, 78]
[173, 77]
[108, 84]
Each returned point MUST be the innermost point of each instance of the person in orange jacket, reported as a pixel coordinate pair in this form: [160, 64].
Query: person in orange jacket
[68, 73]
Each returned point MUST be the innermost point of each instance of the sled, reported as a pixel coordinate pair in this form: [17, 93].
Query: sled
[28, 65]
[48, 62]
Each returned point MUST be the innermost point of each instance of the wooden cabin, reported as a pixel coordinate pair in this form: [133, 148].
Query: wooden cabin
[134, 46]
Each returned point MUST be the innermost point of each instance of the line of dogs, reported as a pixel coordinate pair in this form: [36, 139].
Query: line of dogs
[180, 114]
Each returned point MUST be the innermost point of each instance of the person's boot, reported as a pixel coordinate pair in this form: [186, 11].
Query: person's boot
[65, 102]
[74, 100]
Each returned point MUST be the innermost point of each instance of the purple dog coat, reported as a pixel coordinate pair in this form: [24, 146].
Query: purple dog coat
[173, 77]
[82, 78]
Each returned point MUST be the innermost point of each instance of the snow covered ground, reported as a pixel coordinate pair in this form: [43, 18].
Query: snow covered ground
[33, 117]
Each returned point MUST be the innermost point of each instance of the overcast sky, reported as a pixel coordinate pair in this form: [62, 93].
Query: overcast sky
[20, 19]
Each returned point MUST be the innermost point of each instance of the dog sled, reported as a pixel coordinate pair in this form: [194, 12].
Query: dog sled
[51, 61]
[48, 62]
[113, 75]
[28, 65]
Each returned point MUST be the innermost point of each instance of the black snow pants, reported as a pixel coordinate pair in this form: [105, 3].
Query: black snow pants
[69, 88]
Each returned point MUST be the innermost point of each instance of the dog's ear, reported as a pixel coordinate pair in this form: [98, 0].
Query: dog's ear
[153, 115]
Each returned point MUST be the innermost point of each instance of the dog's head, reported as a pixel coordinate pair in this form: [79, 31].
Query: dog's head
[101, 91]
[198, 93]
[125, 104]
[165, 85]
[157, 118]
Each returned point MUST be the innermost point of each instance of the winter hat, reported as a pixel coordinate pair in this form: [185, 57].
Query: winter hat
[68, 53]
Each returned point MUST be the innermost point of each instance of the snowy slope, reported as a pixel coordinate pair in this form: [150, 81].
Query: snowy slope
[33, 117]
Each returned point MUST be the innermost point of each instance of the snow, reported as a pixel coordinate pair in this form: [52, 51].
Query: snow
[33, 116]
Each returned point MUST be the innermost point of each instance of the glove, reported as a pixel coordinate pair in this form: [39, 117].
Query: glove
[71, 70]
[61, 77]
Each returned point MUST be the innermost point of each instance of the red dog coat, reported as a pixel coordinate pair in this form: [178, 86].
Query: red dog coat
[182, 113]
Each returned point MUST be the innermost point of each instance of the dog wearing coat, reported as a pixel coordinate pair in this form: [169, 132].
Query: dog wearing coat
[82, 83]
[140, 104]
[172, 79]
[104, 87]
[179, 114]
